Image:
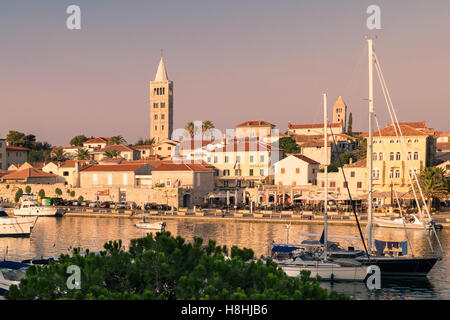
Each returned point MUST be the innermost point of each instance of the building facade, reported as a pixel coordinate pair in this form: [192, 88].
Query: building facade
[296, 170]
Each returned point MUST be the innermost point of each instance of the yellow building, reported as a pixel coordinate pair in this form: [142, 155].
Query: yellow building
[393, 163]
[254, 128]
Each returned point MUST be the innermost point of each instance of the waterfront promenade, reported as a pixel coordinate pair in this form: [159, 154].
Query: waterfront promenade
[285, 217]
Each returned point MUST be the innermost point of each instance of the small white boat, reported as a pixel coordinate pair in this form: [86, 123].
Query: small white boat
[16, 226]
[34, 208]
[160, 225]
[410, 223]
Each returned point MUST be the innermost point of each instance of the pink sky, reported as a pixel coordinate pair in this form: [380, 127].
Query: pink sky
[230, 61]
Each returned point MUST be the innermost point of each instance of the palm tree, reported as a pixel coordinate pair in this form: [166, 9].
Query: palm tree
[434, 184]
[190, 128]
[206, 126]
[118, 140]
[112, 154]
[146, 142]
[83, 154]
[58, 154]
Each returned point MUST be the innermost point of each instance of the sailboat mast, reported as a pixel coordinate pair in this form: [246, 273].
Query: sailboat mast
[370, 153]
[325, 162]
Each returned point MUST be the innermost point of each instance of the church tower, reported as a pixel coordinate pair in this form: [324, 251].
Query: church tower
[340, 112]
[161, 105]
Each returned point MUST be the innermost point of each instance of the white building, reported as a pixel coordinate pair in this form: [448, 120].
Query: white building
[296, 170]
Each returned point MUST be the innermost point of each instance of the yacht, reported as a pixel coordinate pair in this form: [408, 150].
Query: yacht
[35, 208]
[16, 226]
[160, 225]
[10, 273]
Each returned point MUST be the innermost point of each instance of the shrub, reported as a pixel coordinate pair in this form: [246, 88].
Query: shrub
[27, 189]
[19, 193]
[7, 186]
[72, 193]
[41, 194]
[58, 191]
[80, 198]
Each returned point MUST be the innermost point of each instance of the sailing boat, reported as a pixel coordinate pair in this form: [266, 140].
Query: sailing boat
[389, 265]
[313, 256]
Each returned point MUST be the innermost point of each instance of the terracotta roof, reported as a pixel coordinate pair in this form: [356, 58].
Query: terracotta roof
[3, 172]
[195, 144]
[314, 144]
[389, 131]
[314, 125]
[97, 140]
[443, 133]
[255, 123]
[153, 163]
[71, 163]
[183, 167]
[14, 148]
[112, 167]
[306, 159]
[118, 147]
[415, 124]
[27, 173]
[443, 146]
[362, 163]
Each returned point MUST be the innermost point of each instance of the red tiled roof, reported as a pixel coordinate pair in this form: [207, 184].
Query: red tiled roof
[97, 140]
[112, 167]
[314, 125]
[314, 143]
[443, 146]
[118, 147]
[389, 131]
[71, 163]
[255, 123]
[27, 173]
[362, 163]
[415, 124]
[14, 148]
[306, 159]
[183, 167]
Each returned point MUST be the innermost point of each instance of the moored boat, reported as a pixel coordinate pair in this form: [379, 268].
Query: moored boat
[16, 226]
[160, 225]
[34, 208]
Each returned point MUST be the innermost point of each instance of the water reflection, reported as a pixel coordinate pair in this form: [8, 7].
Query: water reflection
[53, 236]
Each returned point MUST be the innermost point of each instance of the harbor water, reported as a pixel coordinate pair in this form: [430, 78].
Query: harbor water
[53, 236]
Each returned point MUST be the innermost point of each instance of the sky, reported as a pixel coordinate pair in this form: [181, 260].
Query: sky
[230, 61]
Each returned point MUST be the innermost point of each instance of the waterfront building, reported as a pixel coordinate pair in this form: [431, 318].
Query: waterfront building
[244, 162]
[16, 155]
[391, 164]
[296, 170]
[161, 105]
[3, 158]
[31, 176]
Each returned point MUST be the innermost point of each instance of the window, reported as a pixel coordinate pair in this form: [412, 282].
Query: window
[238, 172]
[226, 159]
[409, 155]
[397, 173]
[159, 148]
[261, 158]
[416, 155]
[156, 117]
[215, 159]
[392, 141]
[380, 156]
[251, 184]
[376, 174]
[251, 172]
[208, 160]
[162, 127]
[374, 156]
[66, 173]
[345, 184]
[397, 156]
[169, 148]
[155, 105]
[238, 159]
[332, 184]
[359, 185]
[225, 183]
[163, 116]
[226, 172]
[323, 184]
[280, 183]
[282, 170]
[156, 128]
[294, 183]
[168, 183]
[391, 156]
[297, 170]
[261, 172]
[352, 174]
[252, 159]
[163, 105]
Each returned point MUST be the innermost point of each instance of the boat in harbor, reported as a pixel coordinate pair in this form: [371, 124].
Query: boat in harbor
[411, 222]
[16, 226]
[159, 225]
[35, 208]
[11, 273]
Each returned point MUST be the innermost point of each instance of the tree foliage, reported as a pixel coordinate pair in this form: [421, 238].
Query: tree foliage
[18, 194]
[118, 140]
[83, 154]
[77, 141]
[41, 193]
[40, 151]
[289, 145]
[350, 125]
[58, 191]
[111, 153]
[165, 267]
[146, 142]
[434, 184]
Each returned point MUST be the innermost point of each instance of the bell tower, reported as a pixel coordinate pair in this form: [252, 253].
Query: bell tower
[161, 105]
[340, 112]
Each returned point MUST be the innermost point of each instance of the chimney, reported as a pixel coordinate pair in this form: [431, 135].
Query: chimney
[350, 160]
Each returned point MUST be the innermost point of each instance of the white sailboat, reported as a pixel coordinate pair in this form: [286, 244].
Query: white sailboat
[314, 257]
[16, 226]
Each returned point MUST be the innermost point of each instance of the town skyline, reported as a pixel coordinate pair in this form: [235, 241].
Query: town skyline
[225, 71]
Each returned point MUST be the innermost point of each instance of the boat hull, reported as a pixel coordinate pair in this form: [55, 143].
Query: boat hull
[17, 226]
[397, 224]
[411, 267]
[328, 273]
[50, 212]
[148, 225]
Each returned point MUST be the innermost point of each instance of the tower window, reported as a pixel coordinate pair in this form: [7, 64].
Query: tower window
[156, 128]
[155, 105]
[156, 117]
[162, 117]
[162, 127]
[163, 105]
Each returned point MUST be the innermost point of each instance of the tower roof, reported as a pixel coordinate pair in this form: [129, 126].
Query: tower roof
[161, 74]
[339, 102]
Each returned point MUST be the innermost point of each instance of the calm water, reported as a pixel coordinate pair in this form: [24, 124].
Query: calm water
[53, 236]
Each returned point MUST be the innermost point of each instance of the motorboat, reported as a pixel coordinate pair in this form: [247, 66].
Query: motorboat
[410, 222]
[16, 226]
[160, 225]
[11, 273]
[35, 208]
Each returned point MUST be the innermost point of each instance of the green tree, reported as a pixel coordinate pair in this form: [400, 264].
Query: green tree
[146, 142]
[207, 125]
[72, 194]
[434, 184]
[77, 141]
[361, 150]
[111, 154]
[41, 193]
[165, 267]
[118, 140]
[83, 154]
[27, 189]
[289, 145]
[58, 154]
[80, 198]
[18, 194]
[58, 191]
[350, 125]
